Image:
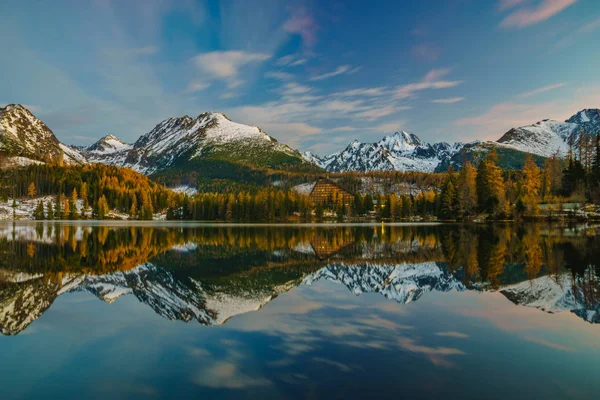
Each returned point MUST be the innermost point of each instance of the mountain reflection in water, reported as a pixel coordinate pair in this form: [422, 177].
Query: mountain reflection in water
[211, 273]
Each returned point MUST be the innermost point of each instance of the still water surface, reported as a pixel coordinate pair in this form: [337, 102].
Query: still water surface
[420, 311]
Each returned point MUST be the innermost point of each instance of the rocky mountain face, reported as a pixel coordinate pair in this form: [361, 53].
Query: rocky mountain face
[548, 137]
[108, 150]
[176, 142]
[190, 142]
[25, 297]
[555, 294]
[403, 283]
[25, 137]
[401, 151]
[406, 152]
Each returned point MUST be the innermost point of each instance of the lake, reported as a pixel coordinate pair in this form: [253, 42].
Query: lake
[167, 310]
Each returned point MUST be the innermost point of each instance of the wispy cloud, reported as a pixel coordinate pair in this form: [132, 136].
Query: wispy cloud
[436, 74]
[290, 61]
[194, 87]
[303, 24]
[279, 75]
[342, 69]
[226, 65]
[583, 30]
[450, 100]
[430, 81]
[541, 90]
[525, 16]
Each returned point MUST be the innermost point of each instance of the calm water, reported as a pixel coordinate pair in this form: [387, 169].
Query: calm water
[176, 311]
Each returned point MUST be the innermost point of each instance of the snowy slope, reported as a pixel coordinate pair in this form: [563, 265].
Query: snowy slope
[548, 137]
[25, 136]
[178, 140]
[554, 294]
[403, 283]
[401, 151]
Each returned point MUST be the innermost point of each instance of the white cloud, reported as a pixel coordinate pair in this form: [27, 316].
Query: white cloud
[338, 71]
[226, 375]
[290, 61]
[436, 74]
[525, 16]
[279, 75]
[541, 90]
[409, 90]
[343, 129]
[196, 87]
[226, 65]
[450, 100]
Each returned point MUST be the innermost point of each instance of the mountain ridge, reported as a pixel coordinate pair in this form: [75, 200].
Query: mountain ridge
[211, 141]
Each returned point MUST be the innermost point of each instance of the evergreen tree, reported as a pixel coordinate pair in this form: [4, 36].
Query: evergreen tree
[490, 185]
[467, 190]
[38, 213]
[50, 210]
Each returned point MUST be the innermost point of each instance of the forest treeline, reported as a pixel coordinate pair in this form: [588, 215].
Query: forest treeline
[511, 194]
[97, 191]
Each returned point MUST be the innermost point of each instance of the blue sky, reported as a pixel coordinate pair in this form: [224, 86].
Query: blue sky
[313, 74]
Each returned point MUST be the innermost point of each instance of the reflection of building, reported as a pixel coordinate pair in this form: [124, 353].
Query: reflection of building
[329, 243]
[326, 191]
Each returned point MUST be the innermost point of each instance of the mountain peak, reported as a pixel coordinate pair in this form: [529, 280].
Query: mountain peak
[588, 115]
[400, 141]
[109, 144]
[14, 107]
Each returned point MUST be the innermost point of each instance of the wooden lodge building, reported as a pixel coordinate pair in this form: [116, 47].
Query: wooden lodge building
[326, 190]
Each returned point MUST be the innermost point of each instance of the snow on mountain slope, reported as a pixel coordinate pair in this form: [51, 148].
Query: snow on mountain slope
[554, 294]
[179, 140]
[548, 137]
[108, 150]
[23, 135]
[403, 283]
[544, 138]
[401, 151]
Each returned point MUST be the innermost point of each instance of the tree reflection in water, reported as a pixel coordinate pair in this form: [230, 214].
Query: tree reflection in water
[209, 273]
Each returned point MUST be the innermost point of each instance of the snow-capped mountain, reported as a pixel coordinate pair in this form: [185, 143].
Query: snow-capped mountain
[406, 152]
[554, 294]
[401, 151]
[179, 140]
[403, 283]
[548, 137]
[25, 297]
[29, 296]
[25, 137]
[174, 142]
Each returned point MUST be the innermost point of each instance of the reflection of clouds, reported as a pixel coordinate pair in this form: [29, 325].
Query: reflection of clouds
[547, 343]
[226, 375]
[374, 321]
[435, 354]
[453, 334]
[341, 366]
[522, 321]
[223, 372]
